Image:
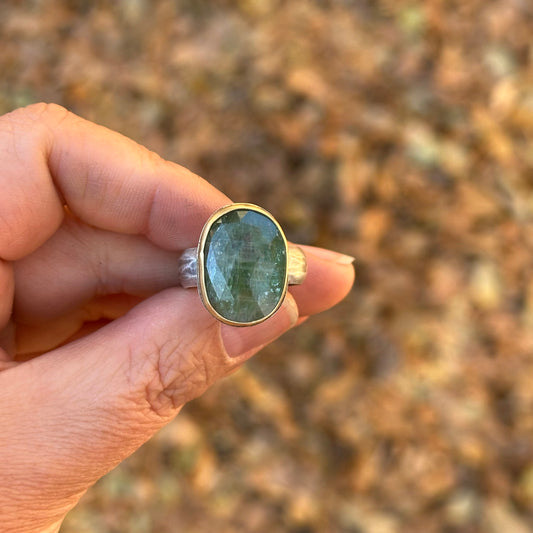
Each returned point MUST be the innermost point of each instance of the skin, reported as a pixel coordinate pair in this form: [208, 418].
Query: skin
[99, 348]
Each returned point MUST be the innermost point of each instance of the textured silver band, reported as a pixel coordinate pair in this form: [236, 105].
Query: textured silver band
[188, 267]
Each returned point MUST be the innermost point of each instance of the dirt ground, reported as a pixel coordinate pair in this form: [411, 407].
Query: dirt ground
[396, 131]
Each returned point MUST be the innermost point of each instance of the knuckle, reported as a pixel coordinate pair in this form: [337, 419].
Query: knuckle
[178, 371]
[38, 112]
[32, 123]
[47, 111]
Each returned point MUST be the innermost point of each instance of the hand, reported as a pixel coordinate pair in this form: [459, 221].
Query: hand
[91, 226]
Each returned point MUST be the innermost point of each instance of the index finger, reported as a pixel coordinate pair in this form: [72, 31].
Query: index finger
[50, 157]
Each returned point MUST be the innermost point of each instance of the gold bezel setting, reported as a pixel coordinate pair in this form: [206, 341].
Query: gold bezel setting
[201, 261]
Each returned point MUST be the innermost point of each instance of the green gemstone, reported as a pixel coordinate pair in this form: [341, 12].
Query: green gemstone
[245, 263]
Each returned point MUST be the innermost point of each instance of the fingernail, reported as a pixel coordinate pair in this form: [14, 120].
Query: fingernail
[330, 255]
[238, 340]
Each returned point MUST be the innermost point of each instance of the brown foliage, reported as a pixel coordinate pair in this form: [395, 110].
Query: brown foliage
[399, 132]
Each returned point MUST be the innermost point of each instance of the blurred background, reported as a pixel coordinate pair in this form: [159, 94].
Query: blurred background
[396, 131]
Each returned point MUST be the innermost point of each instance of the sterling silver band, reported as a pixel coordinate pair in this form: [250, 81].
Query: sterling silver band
[188, 267]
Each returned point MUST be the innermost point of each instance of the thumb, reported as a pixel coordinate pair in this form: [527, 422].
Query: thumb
[68, 417]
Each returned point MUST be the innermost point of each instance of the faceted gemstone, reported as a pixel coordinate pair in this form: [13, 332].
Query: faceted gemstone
[245, 262]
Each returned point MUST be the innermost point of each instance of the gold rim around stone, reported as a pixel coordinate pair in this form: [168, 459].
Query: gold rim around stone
[192, 265]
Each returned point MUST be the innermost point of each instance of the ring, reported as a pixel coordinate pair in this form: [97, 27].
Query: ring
[242, 265]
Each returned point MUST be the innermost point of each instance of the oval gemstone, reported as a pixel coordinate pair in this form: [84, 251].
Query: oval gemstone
[245, 263]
